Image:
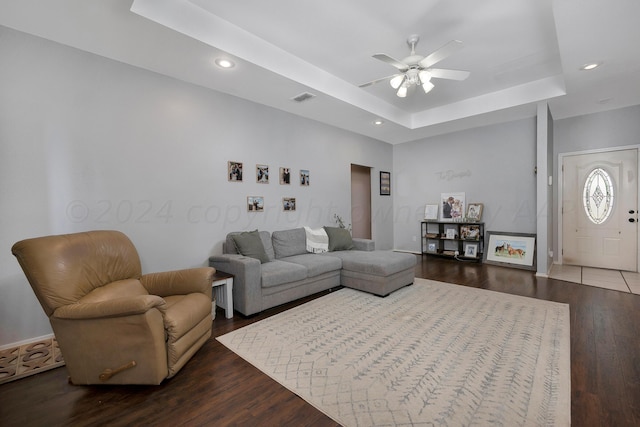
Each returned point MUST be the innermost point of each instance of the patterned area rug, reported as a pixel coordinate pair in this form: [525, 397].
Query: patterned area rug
[428, 354]
[29, 359]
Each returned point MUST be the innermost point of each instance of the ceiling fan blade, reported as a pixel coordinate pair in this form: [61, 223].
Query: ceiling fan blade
[441, 53]
[378, 80]
[442, 73]
[391, 61]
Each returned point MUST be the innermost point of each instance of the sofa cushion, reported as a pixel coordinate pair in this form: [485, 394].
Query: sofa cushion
[249, 244]
[229, 246]
[279, 272]
[339, 239]
[317, 240]
[289, 242]
[316, 265]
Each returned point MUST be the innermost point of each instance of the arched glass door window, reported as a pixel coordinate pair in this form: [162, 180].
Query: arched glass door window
[598, 196]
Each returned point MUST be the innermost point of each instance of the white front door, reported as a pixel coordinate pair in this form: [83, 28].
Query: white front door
[599, 210]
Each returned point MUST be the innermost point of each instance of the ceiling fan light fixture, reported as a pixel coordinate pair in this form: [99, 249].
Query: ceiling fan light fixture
[397, 81]
[427, 87]
[425, 76]
[402, 91]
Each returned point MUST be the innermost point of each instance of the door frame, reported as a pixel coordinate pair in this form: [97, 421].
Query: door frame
[560, 199]
[368, 223]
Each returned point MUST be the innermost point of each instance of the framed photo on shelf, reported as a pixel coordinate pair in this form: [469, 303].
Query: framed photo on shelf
[304, 177]
[474, 211]
[255, 203]
[471, 250]
[262, 174]
[385, 183]
[288, 204]
[234, 171]
[470, 232]
[452, 207]
[517, 250]
[285, 176]
[431, 212]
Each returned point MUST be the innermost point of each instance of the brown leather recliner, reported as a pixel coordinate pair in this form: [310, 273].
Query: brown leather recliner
[113, 324]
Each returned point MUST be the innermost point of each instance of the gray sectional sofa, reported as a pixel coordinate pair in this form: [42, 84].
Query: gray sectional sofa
[289, 272]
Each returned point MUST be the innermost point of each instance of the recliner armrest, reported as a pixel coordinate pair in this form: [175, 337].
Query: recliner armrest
[117, 307]
[179, 282]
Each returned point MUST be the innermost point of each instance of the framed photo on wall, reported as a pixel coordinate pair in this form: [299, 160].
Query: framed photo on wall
[385, 183]
[516, 250]
[304, 177]
[262, 174]
[288, 204]
[234, 170]
[255, 203]
[285, 176]
[452, 206]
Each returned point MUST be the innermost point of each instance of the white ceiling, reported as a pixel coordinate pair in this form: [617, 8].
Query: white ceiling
[519, 52]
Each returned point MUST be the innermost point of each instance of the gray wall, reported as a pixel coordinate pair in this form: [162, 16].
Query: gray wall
[493, 165]
[90, 143]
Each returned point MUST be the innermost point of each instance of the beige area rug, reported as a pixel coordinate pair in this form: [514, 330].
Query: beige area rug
[428, 354]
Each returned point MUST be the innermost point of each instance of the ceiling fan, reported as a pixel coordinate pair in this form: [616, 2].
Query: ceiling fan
[415, 70]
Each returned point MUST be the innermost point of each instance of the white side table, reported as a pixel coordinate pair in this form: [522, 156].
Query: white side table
[223, 291]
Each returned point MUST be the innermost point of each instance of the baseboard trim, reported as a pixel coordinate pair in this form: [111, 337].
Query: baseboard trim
[26, 342]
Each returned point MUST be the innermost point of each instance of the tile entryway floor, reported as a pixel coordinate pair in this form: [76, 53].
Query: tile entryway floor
[623, 281]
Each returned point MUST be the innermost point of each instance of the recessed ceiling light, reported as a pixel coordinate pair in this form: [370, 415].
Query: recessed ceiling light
[378, 122]
[224, 63]
[590, 66]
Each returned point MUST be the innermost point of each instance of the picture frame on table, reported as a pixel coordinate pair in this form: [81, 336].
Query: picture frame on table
[385, 183]
[474, 212]
[431, 212]
[470, 232]
[517, 250]
[452, 206]
[255, 203]
[471, 250]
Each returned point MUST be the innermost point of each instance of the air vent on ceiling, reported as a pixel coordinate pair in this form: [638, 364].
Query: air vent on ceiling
[304, 96]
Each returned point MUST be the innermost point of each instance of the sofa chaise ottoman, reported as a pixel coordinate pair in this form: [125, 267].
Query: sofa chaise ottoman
[376, 272]
[274, 268]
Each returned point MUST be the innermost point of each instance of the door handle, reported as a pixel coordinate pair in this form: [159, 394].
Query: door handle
[632, 211]
[632, 220]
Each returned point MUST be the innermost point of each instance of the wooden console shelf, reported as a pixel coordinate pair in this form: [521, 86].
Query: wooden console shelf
[445, 238]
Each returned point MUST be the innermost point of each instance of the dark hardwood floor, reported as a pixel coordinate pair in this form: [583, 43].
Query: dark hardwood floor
[218, 388]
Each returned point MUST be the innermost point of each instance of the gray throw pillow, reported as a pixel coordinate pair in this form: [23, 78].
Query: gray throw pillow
[249, 244]
[339, 239]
